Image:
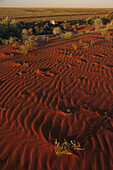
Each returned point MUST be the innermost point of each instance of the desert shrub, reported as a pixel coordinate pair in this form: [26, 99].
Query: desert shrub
[80, 41]
[25, 32]
[106, 35]
[80, 33]
[85, 45]
[57, 30]
[37, 29]
[47, 26]
[75, 29]
[104, 20]
[10, 27]
[45, 38]
[90, 21]
[30, 31]
[31, 41]
[87, 31]
[74, 46]
[104, 32]
[25, 63]
[66, 147]
[66, 35]
[74, 26]
[81, 21]
[12, 40]
[66, 25]
[0, 41]
[23, 48]
[41, 30]
[92, 42]
[110, 25]
[109, 16]
[5, 41]
[98, 24]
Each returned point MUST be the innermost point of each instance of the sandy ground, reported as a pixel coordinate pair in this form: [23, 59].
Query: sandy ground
[34, 100]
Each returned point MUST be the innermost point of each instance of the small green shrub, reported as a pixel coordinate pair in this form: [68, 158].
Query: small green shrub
[85, 45]
[71, 55]
[10, 27]
[80, 33]
[45, 38]
[105, 20]
[110, 25]
[12, 40]
[88, 32]
[1, 41]
[11, 54]
[108, 37]
[74, 46]
[23, 48]
[67, 35]
[92, 42]
[4, 41]
[68, 112]
[31, 41]
[24, 63]
[98, 24]
[66, 25]
[82, 56]
[37, 29]
[25, 32]
[57, 30]
[90, 20]
[81, 21]
[109, 16]
[30, 31]
[66, 148]
[104, 32]
[80, 41]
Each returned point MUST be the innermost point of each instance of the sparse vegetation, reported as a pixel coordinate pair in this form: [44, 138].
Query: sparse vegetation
[106, 115]
[31, 41]
[80, 41]
[98, 24]
[57, 31]
[106, 35]
[11, 54]
[25, 32]
[66, 25]
[109, 16]
[66, 148]
[67, 35]
[45, 38]
[85, 45]
[110, 25]
[80, 33]
[25, 63]
[92, 42]
[68, 112]
[23, 48]
[74, 46]
[10, 27]
[90, 20]
[30, 31]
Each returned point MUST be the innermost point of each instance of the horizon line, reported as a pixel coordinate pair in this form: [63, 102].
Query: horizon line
[60, 7]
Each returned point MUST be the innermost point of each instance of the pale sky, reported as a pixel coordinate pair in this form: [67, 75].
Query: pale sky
[58, 3]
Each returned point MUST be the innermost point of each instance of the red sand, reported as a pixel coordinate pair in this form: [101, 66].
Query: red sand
[34, 99]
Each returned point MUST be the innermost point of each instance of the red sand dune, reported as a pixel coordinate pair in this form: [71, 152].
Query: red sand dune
[34, 99]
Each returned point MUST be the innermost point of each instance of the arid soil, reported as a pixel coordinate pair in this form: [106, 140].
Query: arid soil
[37, 14]
[34, 100]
